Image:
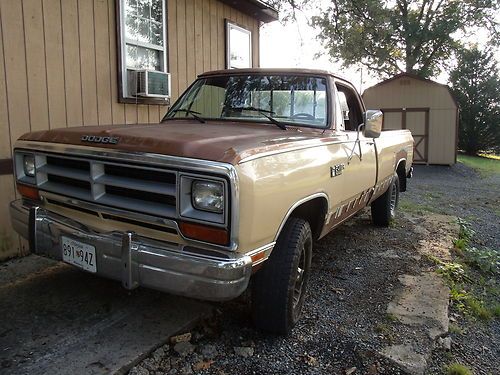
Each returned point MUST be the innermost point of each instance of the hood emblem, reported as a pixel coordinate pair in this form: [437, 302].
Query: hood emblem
[98, 139]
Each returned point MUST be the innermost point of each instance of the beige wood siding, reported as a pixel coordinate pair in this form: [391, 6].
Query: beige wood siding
[58, 68]
[414, 94]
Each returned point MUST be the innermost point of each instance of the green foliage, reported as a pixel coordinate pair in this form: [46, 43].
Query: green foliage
[453, 272]
[485, 259]
[477, 308]
[495, 310]
[460, 244]
[458, 369]
[391, 318]
[463, 288]
[454, 328]
[466, 232]
[390, 37]
[476, 87]
[486, 166]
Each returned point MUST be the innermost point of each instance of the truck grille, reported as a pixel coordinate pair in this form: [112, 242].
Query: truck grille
[131, 187]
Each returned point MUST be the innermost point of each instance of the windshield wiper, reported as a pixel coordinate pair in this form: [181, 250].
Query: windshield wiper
[263, 112]
[188, 111]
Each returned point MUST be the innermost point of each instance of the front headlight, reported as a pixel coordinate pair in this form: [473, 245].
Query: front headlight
[208, 196]
[29, 165]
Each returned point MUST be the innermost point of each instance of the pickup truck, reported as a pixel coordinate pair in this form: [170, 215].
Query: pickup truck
[246, 170]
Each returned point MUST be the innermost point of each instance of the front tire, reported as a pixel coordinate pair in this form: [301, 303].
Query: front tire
[279, 288]
[384, 207]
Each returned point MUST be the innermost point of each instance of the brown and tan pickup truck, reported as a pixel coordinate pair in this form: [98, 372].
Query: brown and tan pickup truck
[246, 170]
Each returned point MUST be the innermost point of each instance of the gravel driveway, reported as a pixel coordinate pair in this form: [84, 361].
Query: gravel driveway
[354, 277]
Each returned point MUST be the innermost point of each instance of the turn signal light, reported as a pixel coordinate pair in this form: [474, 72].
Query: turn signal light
[28, 192]
[204, 233]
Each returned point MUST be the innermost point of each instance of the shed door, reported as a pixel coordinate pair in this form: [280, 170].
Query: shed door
[414, 119]
[417, 121]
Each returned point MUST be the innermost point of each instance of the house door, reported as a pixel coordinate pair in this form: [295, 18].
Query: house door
[417, 121]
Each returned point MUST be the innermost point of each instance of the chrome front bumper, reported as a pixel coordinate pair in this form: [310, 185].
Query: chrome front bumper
[135, 260]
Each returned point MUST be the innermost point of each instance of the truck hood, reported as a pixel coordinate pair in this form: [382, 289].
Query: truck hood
[225, 142]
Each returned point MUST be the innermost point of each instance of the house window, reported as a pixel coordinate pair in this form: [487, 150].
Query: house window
[143, 47]
[238, 46]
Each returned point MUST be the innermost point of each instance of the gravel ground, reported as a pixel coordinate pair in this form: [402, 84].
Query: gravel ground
[354, 276]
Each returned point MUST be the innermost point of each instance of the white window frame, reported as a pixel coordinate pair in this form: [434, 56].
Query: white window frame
[122, 50]
[229, 26]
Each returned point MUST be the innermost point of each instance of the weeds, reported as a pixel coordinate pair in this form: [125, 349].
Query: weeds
[477, 308]
[464, 288]
[495, 310]
[466, 232]
[454, 328]
[486, 259]
[458, 369]
[391, 318]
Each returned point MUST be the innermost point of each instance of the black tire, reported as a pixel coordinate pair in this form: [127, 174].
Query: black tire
[384, 207]
[279, 288]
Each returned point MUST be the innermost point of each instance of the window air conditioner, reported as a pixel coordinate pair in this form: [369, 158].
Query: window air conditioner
[149, 83]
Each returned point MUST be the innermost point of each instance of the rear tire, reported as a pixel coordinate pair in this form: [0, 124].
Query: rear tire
[384, 207]
[279, 288]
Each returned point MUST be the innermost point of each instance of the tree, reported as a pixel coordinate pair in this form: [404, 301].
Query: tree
[395, 36]
[476, 86]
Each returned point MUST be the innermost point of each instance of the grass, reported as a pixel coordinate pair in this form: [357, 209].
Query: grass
[490, 156]
[454, 328]
[495, 310]
[391, 318]
[477, 308]
[467, 289]
[458, 369]
[484, 165]
[416, 208]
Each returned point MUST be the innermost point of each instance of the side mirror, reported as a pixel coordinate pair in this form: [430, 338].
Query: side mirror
[373, 123]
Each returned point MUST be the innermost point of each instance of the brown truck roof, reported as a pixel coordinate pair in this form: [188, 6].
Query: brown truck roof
[271, 71]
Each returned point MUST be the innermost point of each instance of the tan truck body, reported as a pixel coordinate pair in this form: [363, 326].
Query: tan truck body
[327, 175]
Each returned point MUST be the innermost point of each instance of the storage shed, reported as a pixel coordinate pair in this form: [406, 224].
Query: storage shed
[425, 107]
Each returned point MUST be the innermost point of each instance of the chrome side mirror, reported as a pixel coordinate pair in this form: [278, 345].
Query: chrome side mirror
[373, 123]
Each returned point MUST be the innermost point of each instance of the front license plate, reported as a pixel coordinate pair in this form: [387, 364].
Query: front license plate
[79, 254]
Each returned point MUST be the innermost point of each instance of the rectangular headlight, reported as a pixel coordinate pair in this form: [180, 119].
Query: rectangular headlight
[208, 195]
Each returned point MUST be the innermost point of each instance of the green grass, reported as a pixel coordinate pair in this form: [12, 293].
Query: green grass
[495, 310]
[416, 208]
[477, 308]
[391, 318]
[484, 165]
[490, 156]
[454, 328]
[458, 369]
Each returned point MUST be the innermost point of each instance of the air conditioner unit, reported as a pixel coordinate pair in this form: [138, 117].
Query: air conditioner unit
[149, 83]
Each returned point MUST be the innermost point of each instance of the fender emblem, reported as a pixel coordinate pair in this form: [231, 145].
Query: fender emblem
[336, 170]
[97, 139]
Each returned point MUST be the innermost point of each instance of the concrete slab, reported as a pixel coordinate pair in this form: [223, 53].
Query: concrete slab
[424, 302]
[405, 356]
[57, 319]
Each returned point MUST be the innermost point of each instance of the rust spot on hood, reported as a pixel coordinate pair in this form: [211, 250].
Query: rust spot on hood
[218, 141]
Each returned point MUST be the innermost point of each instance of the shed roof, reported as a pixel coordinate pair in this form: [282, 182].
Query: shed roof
[255, 8]
[414, 76]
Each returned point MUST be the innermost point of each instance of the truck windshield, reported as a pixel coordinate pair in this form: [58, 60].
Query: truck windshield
[288, 99]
